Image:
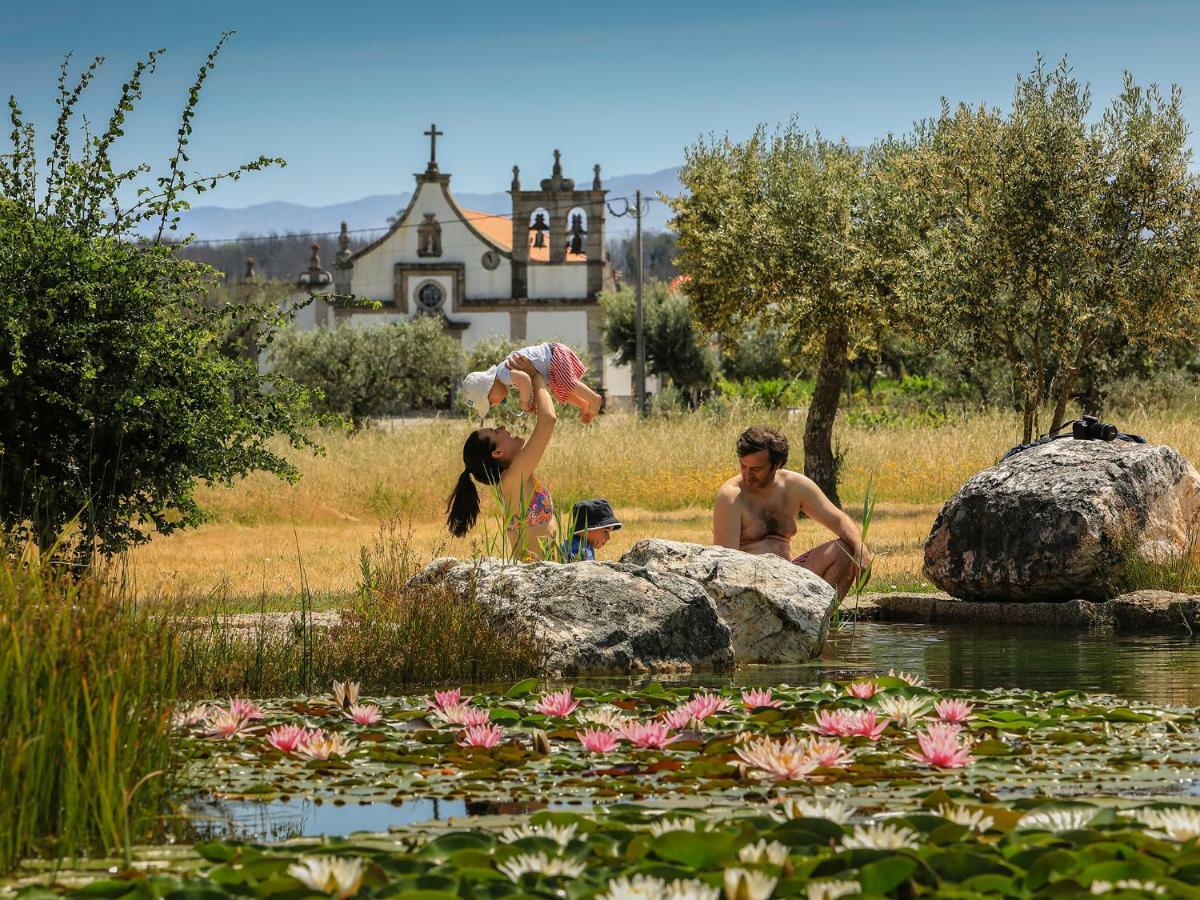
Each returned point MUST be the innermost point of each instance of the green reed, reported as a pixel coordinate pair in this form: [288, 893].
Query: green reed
[394, 634]
[87, 690]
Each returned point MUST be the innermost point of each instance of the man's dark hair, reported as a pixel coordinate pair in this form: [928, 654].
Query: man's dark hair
[760, 437]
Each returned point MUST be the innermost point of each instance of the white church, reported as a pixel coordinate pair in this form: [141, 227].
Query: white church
[533, 277]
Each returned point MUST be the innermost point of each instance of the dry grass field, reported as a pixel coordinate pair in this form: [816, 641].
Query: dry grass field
[660, 475]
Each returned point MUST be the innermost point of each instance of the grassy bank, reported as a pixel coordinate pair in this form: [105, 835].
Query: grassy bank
[660, 474]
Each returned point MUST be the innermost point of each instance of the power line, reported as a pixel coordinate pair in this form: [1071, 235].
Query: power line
[312, 234]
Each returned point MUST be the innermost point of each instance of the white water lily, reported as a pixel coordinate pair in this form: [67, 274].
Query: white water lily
[345, 693]
[647, 887]
[1180, 823]
[741, 884]
[832, 889]
[1127, 884]
[974, 819]
[673, 823]
[324, 746]
[880, 837]
[764, 851]
[550, 866]
[188, 718]
[608, 716]
[908, 677]
[338, 876]
[560, 834]
[903, 710]
[1056, 820]
[808, 808]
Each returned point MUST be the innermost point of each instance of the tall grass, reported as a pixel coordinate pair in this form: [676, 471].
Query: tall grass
[391, 636]
[87, 687]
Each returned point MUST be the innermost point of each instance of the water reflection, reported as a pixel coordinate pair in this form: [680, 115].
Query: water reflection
[1154, 668]
[278, 820]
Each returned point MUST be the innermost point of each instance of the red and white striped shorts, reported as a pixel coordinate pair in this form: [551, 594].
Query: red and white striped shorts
[566, 370]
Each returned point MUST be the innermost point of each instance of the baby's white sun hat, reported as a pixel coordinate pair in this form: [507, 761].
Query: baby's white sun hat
[475, 389]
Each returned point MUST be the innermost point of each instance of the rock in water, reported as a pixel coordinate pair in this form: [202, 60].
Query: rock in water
[778, 612]
[1065, 520]
[599, 618]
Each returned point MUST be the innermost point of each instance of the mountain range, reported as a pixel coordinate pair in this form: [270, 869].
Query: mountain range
[217, 222]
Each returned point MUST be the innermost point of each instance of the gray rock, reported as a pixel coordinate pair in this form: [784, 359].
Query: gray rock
[1146, 612]
[599, 618]
[778, 612]
[1066, 520]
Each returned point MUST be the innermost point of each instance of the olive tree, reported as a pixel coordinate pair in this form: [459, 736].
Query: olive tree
[806, 234]
[118, 393]
[1057, 236]
[676, 350]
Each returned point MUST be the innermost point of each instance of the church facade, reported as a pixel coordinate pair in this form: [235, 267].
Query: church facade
[531, 277]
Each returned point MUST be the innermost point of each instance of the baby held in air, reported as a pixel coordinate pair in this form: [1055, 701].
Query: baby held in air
[556, 362]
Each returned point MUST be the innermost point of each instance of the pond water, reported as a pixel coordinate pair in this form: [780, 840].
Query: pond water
[1163, 670]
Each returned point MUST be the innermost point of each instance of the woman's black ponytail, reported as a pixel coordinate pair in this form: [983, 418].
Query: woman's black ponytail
[462, 509]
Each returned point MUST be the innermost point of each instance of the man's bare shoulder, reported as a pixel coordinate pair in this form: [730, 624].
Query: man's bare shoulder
[731, 490]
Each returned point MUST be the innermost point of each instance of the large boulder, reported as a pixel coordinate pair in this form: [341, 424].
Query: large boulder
[599, 618]
[778, 612]
[1065, 520]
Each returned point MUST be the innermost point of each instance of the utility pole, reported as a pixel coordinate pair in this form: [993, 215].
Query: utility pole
[640, 374]
[639, 369]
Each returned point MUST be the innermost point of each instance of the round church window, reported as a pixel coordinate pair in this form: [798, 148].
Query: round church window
[430, 296]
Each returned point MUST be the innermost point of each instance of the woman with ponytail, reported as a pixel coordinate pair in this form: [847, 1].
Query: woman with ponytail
[493, 456]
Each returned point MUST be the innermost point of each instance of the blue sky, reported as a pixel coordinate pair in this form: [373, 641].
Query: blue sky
[343, 91]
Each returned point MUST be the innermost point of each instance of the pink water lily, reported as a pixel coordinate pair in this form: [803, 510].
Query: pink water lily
[462, 714]
[864, 690]
[833, 722]
[704, 705]
[648, 735]
[953, 710]
[942, 748]
[322, 745]
[443, 699]
[365, 713]
[677, 718]
[597, 740]
[225, 724]
[487, 735]
[759, 699]
[782, 762]
[827, 754]
[246, 710]
[560, 704]
[863, 723]
[288, 738]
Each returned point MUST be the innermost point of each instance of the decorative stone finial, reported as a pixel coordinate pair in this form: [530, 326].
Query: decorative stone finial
[556, 182]
[343, 254]
[557, 171]
[516, 182]
[596, 177]
[315, 276]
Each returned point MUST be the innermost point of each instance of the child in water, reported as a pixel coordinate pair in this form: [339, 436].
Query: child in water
[556, 362]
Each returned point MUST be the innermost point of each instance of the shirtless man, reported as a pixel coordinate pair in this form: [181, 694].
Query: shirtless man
[757, 510]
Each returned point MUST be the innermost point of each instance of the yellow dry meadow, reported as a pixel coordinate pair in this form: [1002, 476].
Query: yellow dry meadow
[660, 474]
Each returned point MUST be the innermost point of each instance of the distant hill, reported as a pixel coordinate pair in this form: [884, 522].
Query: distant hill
[215, 222]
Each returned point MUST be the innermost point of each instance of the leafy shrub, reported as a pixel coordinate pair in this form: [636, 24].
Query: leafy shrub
[769, 393]
[116, 397]
[375, 371]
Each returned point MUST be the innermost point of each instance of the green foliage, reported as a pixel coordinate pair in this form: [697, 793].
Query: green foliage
[768, 393]
[676, 349]
[1057, 237]
[88, 681]
[757, 352]
[116, 397]
[792, 231]
[382, 370]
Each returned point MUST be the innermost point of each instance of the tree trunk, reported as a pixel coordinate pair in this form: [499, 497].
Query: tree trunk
[819, 462]
[1068, 382]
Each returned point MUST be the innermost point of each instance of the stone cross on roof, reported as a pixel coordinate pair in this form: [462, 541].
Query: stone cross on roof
[433, 134]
